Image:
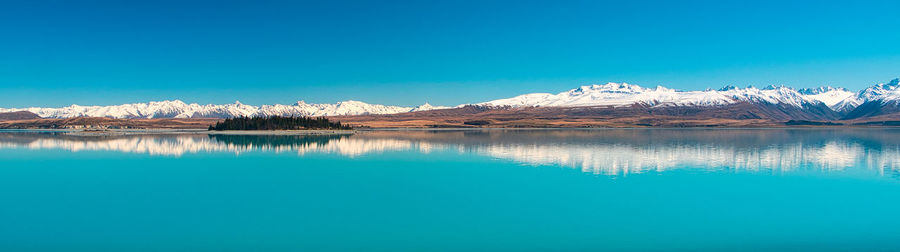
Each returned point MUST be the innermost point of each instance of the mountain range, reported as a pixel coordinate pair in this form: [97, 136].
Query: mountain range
[180, 109]
[771, 102]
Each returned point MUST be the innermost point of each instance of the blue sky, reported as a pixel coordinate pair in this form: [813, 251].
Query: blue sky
[55, 53]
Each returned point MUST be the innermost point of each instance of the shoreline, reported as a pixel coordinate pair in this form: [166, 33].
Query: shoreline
[281, 132]
[130, 132]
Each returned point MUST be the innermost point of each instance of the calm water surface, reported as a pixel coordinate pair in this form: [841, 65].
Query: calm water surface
[513, 190]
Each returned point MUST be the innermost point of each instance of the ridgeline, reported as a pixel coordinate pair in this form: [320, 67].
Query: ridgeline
[278, 123]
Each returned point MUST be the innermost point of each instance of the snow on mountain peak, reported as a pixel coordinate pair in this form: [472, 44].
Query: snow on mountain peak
[609, 94]
[838, 99]
[427, 106]
[179, 109]
[820, 90]
[624, 94]
[884, 92]
[726, 88]
[614, 94]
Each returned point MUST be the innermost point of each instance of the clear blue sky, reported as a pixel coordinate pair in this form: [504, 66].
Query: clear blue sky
[55, 53]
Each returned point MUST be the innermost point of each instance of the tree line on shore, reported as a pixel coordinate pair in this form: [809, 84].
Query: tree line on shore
[278, 123]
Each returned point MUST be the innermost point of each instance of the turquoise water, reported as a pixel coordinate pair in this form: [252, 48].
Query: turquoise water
[454, 190]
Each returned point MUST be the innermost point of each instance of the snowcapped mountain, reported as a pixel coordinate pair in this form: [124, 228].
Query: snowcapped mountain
[823, 103]
[613, 94]
[878, 100]
[623, 94]
[179, 109]
[838, 99]
[885, 92]
[769, 95]
[302, 108]
[426, 107]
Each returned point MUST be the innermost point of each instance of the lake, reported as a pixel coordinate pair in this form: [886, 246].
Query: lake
[454, 190]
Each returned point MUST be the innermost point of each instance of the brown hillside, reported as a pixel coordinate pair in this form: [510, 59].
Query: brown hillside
[19, 115]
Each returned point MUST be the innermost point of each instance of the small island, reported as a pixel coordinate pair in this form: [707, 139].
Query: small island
[278, 123]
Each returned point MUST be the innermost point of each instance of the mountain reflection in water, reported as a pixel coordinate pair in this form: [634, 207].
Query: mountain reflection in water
[606, 151]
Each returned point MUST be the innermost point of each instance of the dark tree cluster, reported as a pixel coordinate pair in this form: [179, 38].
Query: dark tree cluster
[277, 123]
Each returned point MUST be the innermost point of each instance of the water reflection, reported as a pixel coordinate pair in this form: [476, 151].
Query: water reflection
[609, 152]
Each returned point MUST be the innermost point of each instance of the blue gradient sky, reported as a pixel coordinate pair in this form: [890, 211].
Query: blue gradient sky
[55, 53]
